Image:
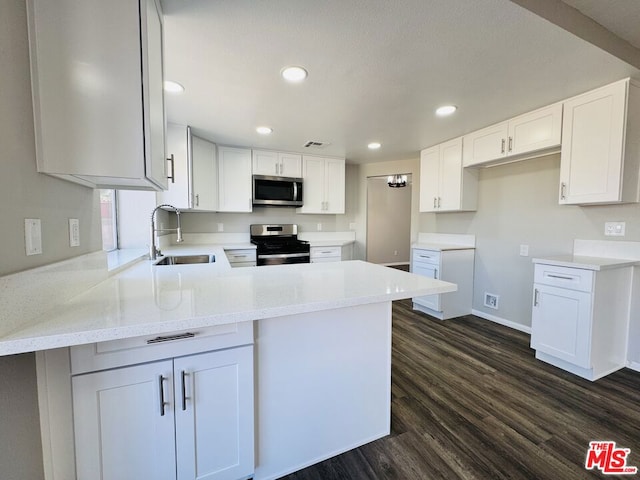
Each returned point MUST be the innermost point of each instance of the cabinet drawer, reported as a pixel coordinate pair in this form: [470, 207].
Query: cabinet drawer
[130, 351]
[563, 277]
[246, 255]
[323, 252]
[426, 256]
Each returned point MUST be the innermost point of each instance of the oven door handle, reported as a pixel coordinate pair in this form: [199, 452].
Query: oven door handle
[285, 255]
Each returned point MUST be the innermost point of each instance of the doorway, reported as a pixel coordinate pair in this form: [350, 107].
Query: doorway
[388, 222]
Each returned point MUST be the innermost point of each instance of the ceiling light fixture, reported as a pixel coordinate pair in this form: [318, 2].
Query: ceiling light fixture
[294, 74]
[397, 181]
[173, 87]
[374, 146]
[446, 110]
[264, 130]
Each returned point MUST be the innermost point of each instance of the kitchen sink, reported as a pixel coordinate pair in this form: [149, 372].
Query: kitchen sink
[186, 259]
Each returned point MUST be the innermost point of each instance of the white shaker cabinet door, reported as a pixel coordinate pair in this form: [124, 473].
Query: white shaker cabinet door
[450, 175]
[592, 146]
[538, 130]
[335, 185]
[561, 324]
[265, 162]
[290, 164]
[429, 179]
[125, 432]
[313, 186]
[484, 145]
[429, 271]
[204, 175]
[214, 415]
[234, 180]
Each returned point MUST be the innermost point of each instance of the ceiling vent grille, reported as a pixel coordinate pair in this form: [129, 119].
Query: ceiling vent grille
[315, 144]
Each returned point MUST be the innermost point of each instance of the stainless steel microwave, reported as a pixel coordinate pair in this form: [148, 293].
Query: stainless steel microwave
[277, 191]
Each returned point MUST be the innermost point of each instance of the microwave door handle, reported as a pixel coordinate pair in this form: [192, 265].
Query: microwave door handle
[295, 190]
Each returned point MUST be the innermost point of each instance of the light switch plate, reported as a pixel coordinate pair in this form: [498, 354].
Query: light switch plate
[614, 229]
[524, 250]
[221, 227]
[33, 236]
[74, 232]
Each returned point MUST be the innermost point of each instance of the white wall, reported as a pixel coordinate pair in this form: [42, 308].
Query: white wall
[24, 193]
[518, 204]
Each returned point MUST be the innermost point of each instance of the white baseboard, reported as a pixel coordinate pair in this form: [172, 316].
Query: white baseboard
[502, 321]
[634, 366]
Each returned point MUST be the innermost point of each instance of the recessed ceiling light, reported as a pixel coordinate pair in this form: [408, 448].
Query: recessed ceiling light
[294, 74]
[446, 110]
[264, 130]
[173, 87]
[374, 146]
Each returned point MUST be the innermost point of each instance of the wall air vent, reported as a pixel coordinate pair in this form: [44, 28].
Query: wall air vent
[315, 144]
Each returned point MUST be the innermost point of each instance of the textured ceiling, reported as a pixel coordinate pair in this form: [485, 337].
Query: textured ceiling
[621, 17]
[377, 70]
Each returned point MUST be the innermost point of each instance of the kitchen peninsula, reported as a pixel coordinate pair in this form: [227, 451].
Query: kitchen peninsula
[320, 336]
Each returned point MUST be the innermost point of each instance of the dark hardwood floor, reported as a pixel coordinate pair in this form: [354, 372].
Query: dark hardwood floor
[470, 401]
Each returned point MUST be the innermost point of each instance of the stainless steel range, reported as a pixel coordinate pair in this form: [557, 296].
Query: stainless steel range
[279, 244]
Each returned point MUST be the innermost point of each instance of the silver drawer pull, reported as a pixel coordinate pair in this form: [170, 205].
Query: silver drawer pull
[425, 256]
[239, 256]
[327, 251]
[561, 277]
[170, 338]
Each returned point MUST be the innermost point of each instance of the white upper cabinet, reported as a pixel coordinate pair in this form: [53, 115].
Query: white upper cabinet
[485, 145]
[234, 180]
[323, 185]
[600, 146]
[536, 133]
[444, 185]
[193, 173]
[277, 164]
[99, 116]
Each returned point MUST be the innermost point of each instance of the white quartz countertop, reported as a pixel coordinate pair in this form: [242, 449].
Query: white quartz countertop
[585, 262]
[441, 246]
[330, 243]
[147, 299]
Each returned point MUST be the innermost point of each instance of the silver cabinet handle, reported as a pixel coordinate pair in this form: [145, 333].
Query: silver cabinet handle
[563, 191]
[561, 277]
[239, 256]
[425, 256]
[161, 380]
[510, 143]
[172, 177]
[439, 204]
[435, 273]
[536, 300]
[183, 376]
[435, 201]
[503, 145]
[197, 199]
[170, 338]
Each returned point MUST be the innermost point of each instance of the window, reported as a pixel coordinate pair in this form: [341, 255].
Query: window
[108, 214]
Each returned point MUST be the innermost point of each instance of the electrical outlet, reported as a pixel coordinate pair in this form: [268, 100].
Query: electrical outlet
[491, 300]
[352, 226]
[319, 227]
[33, 236]
[524, 250]
[614, 229]
[221, 227]
[74, 232]
[395, 253]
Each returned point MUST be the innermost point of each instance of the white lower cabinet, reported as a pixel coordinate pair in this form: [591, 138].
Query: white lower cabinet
[455, 266]
[184, 418]
[334, 253]
[580, 318]
[241, 257]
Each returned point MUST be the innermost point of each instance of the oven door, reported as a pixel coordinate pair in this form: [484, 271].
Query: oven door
[283, 258]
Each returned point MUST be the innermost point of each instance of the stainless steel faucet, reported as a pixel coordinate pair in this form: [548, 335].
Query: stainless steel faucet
[153, 251]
